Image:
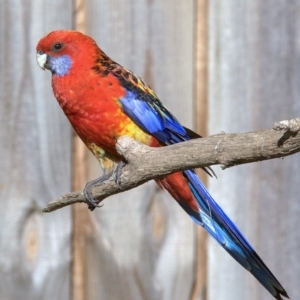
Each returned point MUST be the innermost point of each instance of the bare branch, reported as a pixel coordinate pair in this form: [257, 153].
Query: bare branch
[145, 163]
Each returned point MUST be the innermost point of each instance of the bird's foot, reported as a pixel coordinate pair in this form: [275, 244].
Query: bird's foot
[118, 172]
[87, 192]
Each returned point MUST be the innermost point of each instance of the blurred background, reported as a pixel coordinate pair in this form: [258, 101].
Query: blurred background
[218, 65]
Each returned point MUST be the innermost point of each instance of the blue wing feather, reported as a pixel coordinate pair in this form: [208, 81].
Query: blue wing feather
[149, 113]
[154, 118]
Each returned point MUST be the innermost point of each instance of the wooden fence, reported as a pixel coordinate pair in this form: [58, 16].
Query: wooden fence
[217, 65]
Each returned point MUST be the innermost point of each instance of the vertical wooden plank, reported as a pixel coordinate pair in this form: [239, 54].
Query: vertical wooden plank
[254, 81]
[81, 216]
[35, 158]
[200, 90]
[141, 245]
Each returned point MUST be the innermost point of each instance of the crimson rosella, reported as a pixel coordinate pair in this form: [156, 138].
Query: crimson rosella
[104, 101]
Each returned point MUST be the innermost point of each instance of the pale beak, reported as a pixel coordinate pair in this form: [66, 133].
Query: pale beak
[41, 59]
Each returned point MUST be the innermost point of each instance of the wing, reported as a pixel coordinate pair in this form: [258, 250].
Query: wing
[142, 105]
[145, 109]
[148, 112]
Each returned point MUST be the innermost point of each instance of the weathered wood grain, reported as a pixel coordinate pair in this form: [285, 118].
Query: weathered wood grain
[35, 158]
[254, 80]
[142, 244]
[80, 216]
[200, 114]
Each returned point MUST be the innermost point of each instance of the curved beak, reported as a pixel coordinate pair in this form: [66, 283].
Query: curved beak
[41, 59]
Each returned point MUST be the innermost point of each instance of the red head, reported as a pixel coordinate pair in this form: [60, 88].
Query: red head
[62, 50]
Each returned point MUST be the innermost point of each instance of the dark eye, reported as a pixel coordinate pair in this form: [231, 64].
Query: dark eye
[57, 46]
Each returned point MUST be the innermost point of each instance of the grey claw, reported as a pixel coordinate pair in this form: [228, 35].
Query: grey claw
[118, 172]
[87, 192]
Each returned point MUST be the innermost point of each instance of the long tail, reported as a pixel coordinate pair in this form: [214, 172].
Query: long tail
[193, 197]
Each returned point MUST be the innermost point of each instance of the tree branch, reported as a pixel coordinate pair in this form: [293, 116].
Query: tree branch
[145, 163]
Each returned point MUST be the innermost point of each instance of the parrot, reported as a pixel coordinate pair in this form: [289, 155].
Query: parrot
[104, 101]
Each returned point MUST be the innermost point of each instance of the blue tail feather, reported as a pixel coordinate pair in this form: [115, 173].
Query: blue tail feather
[221, 228]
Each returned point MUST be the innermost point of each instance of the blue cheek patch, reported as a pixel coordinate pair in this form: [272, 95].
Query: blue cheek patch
[60, 65]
